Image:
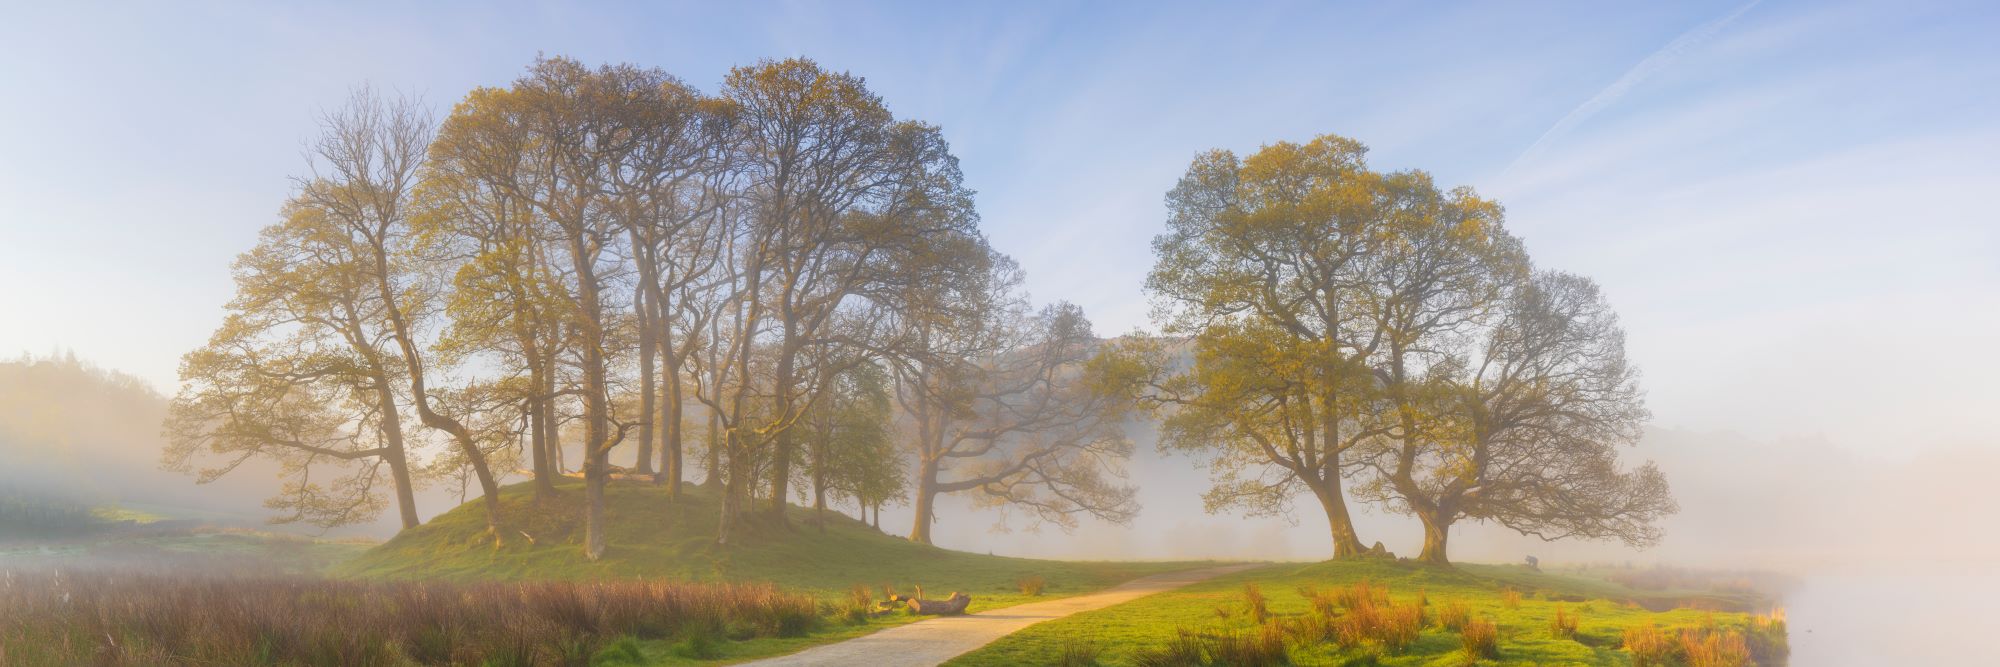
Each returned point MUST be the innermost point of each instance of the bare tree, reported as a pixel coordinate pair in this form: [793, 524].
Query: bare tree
[1007, 412]
[1524, 428]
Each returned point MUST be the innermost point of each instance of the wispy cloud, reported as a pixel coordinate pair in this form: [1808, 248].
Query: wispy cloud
[1654, 64]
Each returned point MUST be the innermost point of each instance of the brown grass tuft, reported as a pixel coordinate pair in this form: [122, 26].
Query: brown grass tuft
[1453, 615]
[1480, 638]
[1715, 648]
[1563, 624]
[1032, 585]
[1649, 647]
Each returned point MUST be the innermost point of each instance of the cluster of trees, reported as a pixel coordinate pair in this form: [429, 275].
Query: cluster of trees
[781, 285]
[785, 287]
[1351, 325]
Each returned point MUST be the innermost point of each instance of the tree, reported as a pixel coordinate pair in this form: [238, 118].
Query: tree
[302, 371]
[372, 152]
[1006, 410]
[1523, 428]
[842, 205]
[850, 448]
[506, 297]
[1265, 264]
[1331, 310]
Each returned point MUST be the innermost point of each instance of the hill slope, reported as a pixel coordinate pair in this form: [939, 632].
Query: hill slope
[652, 537]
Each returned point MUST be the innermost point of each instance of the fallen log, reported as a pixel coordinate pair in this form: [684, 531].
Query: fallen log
[949, 606]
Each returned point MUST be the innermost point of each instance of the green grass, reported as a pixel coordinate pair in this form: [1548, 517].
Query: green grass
[652, 537]
[1525, 637]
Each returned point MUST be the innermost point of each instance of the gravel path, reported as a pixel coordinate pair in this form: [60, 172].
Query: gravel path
[926, 643]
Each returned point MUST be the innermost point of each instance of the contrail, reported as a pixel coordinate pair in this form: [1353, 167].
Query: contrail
[1653, 64]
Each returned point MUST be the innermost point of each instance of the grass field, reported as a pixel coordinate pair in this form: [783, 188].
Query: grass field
[1133, 633]
[653, 538]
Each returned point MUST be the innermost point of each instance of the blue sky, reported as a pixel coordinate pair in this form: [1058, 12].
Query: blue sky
[1789, 202]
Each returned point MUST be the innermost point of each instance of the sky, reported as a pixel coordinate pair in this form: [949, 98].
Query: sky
[1789, 203]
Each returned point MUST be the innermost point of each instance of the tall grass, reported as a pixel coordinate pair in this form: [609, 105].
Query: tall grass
[1453, 615]
[1510, 598]
[1649, 647]
[1372, 618]
[1031, 585]
[151, 619]
[1262, 647]
[1714, 648]
[1563, 624]
[1480, 638]
[1255, 604]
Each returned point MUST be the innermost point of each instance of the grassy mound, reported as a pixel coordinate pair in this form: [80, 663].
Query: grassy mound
[652, 537]
[1415, 615]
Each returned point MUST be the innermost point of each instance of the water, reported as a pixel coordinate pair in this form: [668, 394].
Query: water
[1923, 616]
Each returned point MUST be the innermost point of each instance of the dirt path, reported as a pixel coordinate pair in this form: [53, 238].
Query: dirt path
[931, 642]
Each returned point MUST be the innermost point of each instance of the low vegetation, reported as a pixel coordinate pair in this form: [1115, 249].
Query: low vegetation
[152, 619]
[1401, 614]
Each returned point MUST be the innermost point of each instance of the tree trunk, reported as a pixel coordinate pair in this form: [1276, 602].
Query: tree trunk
[647, 400]
[1346, 544]
[732, 499]
[781, 455]
[926, 502]
[712, 475]
[399, 468]
[819, 484]
[1437, 531]
[595, 476]
[538, 445]
[596, 410]
[673, 464]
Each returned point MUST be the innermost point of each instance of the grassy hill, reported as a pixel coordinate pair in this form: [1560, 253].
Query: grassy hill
[653, 537]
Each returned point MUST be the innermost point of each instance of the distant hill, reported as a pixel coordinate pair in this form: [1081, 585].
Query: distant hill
[75, 434]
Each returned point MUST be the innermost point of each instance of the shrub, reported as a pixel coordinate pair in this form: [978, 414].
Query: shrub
[1480, 638]
[1510, 598]
[1648, 646]
[1562, 625]
[1254, 604]
[1031, 585]
[1453, 615]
